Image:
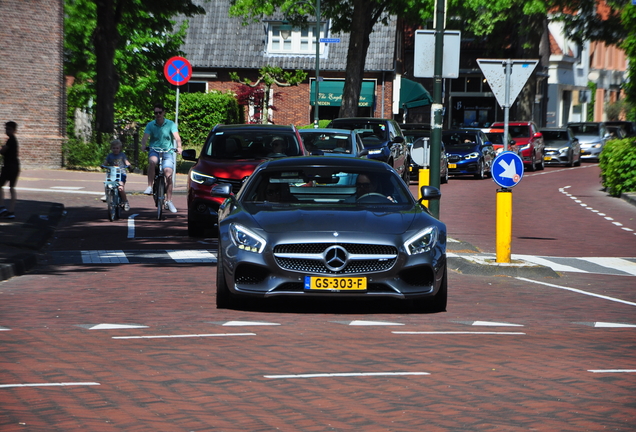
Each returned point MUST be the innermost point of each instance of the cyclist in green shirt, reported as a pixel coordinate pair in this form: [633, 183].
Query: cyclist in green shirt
[161, 133]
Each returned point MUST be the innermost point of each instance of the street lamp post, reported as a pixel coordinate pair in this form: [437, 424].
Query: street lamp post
[316, 88]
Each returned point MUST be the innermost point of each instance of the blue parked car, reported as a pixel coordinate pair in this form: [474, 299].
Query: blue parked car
[468, 152]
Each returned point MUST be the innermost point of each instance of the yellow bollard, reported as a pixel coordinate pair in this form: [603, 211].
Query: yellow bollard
[424, 177]
[504, 225]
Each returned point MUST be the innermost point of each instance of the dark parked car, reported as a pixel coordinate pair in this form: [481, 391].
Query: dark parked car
[628, 127]
[383, 139]
[342, 142]
[468, 152]
[561, 147]
[592, 137]
[329, 227]
[529, 140]
[230, 155]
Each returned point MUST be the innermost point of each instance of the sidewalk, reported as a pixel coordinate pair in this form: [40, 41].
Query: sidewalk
[23, 239]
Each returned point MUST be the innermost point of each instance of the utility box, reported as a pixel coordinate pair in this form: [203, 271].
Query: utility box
[424, 64]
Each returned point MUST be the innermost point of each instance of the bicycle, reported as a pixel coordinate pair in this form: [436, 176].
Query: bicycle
[111, 191]
[159, 183]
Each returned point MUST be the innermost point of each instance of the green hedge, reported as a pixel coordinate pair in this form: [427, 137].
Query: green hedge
[618, 166]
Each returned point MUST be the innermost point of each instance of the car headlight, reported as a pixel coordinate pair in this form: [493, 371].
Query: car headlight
[203, 179]
[564, 150]
[597, 145]
[474, 155]
[422, 241]
[375, 151]
[247, 240]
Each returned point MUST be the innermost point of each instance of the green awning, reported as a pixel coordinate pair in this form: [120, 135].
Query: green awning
[413, 94]
[331, 93]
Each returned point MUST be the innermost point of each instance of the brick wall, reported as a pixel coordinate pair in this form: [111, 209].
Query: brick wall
[31, 78]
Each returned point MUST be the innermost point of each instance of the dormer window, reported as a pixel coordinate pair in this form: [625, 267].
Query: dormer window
[285, 39]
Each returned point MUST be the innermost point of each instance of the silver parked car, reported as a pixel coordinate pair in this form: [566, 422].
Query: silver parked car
[561, 147]
[592, 137]
[329, 227]
[326, 141]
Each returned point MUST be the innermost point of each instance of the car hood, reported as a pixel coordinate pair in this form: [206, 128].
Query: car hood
[588, 138]
[557, 144]
[291, 219]
[227, 168]
[462, 149]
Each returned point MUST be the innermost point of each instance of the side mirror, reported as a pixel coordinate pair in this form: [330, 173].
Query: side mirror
[221, 190]
[364, 152]
[398, 139]
[430, 193]
[537, 135]
[190, 155]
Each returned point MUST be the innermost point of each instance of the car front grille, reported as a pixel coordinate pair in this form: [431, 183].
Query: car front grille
[236, 184]
[310, 258]
[454, 158]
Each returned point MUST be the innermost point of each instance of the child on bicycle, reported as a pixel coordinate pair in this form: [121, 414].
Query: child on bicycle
[118, 158]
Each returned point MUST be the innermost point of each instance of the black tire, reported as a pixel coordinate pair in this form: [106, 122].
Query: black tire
[439, 302]
[444, 178]
[481, 173]
[533, 164]
[406, 174]
[117, 205]
[571, 160]
[112, 206]
[541, 165]
[161, 196]
[578, 161]
[223, 294]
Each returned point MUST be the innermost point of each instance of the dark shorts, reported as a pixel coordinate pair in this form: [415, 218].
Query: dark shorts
[9, 174]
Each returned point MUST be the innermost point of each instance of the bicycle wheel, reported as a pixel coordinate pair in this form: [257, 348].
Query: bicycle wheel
[112, 206]
[117, 204]
[161, 197]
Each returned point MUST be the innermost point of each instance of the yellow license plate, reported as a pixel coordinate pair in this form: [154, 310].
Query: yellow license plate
[547, 158]
[452, 166]
[336, 283]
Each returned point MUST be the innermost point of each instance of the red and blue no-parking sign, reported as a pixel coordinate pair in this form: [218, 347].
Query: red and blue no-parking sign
[177, 71]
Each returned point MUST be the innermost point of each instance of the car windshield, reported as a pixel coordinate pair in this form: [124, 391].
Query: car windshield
[459, 140]
[251, 144]
[327, 186]
[373, 134]
[327, 142]
[588, 129]
[555, 135]
[495, 137]
[519, 131]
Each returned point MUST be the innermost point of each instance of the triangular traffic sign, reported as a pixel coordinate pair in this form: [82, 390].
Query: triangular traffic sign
[495, 72]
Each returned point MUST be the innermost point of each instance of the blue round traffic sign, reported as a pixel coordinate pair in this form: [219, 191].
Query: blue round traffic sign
[507, 169]
[177, 70]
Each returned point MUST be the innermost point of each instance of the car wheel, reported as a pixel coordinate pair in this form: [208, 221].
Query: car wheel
[223, 294]
[481, 173]
[570, 160]
[444, 178]
[533, 164]
[438, 304]
[541, 165]
[578, 162]
[406, 174]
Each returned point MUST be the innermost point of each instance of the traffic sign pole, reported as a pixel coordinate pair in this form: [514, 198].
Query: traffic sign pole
[504, 225]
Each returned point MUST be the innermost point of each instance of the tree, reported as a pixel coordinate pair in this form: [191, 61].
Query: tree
[100, 30]
[268, 76]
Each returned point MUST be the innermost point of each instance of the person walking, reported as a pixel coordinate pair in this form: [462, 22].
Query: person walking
[10, 170]
[160, 134]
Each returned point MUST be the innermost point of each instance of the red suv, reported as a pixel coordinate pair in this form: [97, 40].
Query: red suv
[528, 140]
[230, 155]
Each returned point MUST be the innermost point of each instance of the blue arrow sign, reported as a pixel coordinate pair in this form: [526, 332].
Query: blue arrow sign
[330, 40]
[507, 169]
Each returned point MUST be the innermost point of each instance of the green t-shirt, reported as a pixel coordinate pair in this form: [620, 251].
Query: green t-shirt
[161, 137]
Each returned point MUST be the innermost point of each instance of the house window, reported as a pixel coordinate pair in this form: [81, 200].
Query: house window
[285, 40]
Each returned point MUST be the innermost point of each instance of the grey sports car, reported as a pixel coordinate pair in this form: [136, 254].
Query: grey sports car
[329, 226]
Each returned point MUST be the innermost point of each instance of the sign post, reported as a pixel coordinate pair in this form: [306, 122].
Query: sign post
[507, 171]
[177, 71]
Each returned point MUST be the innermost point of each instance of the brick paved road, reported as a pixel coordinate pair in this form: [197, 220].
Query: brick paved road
[120, 354]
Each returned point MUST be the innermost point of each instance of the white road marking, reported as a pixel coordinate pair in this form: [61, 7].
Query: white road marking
[131, 225]
[373, 323]
[544, 262]
[71, 188]
[249, 323]
[350, 374]
[495, 324]
[615, 263]
[578, 291]
[4, 329]
[184, 336]
[60, 191]
[103, 256]
[116, 326]
[613, 325]
[455, 333]
[612, 370]
[51, 384]
[186, 256]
